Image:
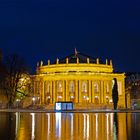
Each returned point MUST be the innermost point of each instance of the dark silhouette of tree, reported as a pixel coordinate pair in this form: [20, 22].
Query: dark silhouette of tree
[115, 93]
[15, 71]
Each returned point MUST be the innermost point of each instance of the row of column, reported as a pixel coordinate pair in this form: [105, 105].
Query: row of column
[78, 94]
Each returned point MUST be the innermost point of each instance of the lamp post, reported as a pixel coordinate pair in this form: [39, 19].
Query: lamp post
[17, 102]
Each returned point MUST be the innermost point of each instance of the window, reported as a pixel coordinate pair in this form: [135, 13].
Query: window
[71, 86]
[48, 87]
[59, 86]
[84, 86]
[96, 87]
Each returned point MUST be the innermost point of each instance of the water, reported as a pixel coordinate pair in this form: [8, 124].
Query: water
[69, 126]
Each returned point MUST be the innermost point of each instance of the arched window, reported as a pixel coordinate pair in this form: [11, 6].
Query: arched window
[71, 86]
[59, 86]
[96, 87]
[48, 87]
[84, 86]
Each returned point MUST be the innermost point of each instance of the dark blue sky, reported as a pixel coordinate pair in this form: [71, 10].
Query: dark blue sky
[43, 29]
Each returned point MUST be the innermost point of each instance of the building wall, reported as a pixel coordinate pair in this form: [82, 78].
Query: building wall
[79, 88]
[78, 82]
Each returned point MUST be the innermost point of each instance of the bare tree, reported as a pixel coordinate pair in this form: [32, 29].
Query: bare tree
[15, 77]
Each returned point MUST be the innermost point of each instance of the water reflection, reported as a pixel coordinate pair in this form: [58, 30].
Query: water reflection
[33, 126]
[69, 126]
[115, 126]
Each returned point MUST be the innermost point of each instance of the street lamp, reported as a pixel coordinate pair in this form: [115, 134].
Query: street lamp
[17, 102]
[33, 100]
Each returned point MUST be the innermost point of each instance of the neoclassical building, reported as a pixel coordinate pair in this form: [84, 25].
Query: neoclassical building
[78, 78]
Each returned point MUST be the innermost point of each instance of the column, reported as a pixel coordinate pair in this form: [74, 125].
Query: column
[80, 96]
[102, 92]
[54, 90]
[89, 91]
[67, 91]
[42, 86]
[51, 92]
[63, 94]
[76, 91]
[39, 91]
[92, 92]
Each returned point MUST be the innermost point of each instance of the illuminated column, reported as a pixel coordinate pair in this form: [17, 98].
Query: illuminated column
[76, 90]
[64, 92]
[54, 90]
[92, 96]
[89, 91]
[51, 94]
[67, 91]
[102, 92]
[80, 96]
[42, 86]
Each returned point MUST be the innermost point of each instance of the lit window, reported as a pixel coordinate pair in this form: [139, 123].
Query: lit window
[84, 86]
[96, 87]
[71, 86]
[59, 86]
[48, 87]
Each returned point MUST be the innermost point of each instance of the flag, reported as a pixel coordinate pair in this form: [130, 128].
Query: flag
[76, 52]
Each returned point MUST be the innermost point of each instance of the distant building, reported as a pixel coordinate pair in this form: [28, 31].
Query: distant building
[78, 78]
[132, 83]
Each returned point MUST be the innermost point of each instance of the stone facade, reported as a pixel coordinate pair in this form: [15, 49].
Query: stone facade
[77, 78]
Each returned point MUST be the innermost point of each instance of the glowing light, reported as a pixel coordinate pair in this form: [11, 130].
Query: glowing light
[17, 100]
[72, 97]
[49, 97]
[60, 97]
[84, 97]
[17, 122]
[33, 126]
[110, 101]
[48, 115]
[71, 124]
[106, 97]
[96, 123]
[58, 124]
[58, 106]
[33, 98]
[86, 126]
[96, 96]
[107, 126]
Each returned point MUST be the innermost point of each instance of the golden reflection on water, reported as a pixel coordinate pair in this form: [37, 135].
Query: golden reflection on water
[71, 126]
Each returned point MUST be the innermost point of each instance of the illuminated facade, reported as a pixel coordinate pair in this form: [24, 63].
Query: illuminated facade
[78, 78]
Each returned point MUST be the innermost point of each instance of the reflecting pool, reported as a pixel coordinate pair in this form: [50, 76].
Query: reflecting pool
[69, 126]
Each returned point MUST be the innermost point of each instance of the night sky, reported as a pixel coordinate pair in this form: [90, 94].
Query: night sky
[47, 29]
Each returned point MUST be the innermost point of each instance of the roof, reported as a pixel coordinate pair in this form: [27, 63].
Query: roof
[82, 59]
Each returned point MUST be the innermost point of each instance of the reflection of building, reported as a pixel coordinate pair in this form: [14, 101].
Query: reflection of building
[78, 78]
[74, 126]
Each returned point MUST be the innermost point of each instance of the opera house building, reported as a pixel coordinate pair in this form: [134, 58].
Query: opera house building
[78, 78]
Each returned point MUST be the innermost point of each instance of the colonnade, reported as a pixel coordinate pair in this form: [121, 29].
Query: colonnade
[89, 91]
